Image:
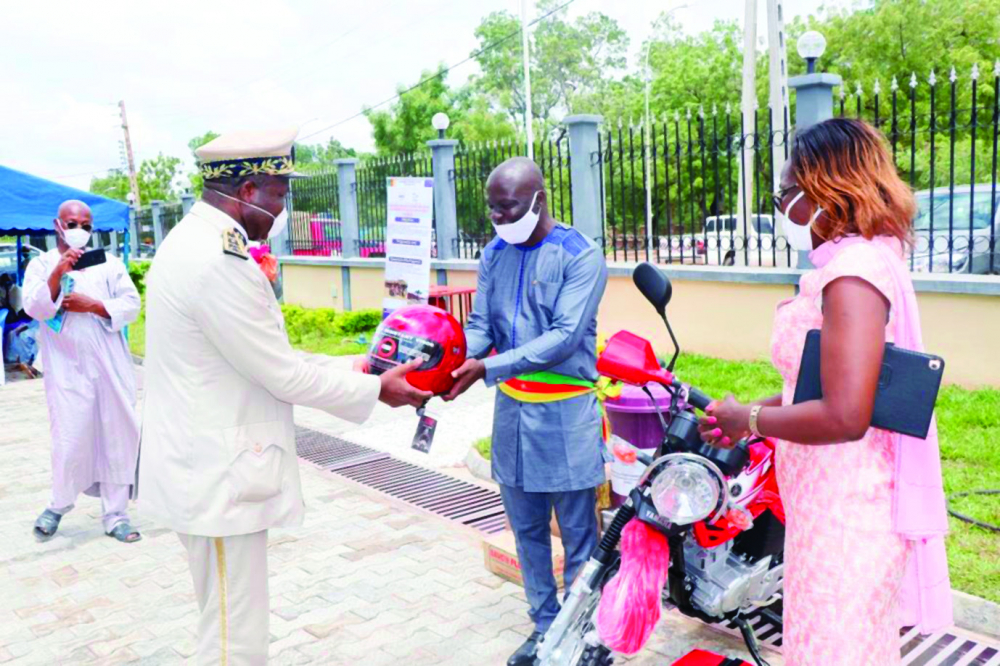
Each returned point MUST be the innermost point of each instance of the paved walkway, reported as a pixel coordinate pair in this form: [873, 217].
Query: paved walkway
[366, 581]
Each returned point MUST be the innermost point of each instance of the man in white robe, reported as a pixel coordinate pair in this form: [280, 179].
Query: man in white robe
[89, 378]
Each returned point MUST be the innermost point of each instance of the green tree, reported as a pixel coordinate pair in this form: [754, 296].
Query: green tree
[897, 39]
[197, 182]
[316, 158]
[571, 61]
[155, 179]
[405, 127]
[114, 186]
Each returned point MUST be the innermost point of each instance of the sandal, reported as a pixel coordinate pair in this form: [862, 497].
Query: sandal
[46, 525]
[124, 533]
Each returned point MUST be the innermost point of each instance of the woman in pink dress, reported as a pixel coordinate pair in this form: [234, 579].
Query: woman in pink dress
[864, 545]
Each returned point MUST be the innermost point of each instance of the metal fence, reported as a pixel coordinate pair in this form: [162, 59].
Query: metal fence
[703, 208]
[694, 178]
[473, 165]
[944, 136]
[170, 215]
[314, 217]
[145, 244]
[372, 190]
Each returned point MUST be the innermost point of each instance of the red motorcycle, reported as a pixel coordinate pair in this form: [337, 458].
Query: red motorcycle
[718, 508]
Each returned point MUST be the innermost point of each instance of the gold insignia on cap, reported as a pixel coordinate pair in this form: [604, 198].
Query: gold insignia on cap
[239, 154]
[233, 243]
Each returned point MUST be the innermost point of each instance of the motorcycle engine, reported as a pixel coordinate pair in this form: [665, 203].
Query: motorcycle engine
[725, 581]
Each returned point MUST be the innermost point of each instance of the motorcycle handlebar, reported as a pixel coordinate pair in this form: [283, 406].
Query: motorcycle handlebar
[698, 399]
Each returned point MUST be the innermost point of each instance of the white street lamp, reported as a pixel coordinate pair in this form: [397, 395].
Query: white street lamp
[649, 138]
[440, 122]
[811, 46]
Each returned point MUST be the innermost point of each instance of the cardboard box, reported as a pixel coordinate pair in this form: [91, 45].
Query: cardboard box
[603, 502]
[501, 558]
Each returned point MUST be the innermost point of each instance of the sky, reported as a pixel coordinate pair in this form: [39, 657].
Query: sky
[186, 67]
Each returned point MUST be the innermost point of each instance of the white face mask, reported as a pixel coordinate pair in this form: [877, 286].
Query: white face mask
[280, 221]
[520, 231]
[799, 235]
[76, 238]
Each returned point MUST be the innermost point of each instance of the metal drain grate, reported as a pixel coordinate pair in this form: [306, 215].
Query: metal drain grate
[332, 453]
[438, 493]
[947, 648]
[427, 489]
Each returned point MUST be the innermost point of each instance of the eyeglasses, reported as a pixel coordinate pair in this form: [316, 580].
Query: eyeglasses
[780, 195]
[85, 226]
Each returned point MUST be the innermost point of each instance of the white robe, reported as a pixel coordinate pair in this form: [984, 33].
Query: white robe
[89, 378]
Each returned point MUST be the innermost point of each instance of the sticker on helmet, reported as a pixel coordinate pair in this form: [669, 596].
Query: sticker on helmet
[395, 348]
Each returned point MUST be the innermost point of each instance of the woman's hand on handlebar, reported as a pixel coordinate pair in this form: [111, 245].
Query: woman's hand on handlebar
[725, 423]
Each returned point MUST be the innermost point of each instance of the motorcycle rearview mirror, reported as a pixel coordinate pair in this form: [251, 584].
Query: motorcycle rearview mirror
[656, 287]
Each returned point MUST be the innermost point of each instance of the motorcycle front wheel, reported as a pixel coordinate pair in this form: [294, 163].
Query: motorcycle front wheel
[597, 655]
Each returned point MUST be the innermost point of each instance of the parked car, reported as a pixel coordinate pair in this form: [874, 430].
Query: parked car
[942, 222]
[8, 256]
[727, 240]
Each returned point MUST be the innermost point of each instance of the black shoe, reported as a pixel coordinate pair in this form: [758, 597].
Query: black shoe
[525, 655]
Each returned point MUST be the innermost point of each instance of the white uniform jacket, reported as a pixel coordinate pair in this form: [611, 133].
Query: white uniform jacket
[217, 455]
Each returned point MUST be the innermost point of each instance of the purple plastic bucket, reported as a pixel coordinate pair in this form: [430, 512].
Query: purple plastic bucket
[633, 418]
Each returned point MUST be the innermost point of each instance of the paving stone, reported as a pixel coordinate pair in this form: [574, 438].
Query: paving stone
[364, 582]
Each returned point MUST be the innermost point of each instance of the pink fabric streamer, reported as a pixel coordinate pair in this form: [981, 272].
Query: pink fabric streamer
[630, 604]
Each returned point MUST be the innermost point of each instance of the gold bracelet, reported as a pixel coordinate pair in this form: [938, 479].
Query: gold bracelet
[754, 415]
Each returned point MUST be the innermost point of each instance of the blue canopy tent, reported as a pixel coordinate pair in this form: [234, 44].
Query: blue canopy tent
[28, 204]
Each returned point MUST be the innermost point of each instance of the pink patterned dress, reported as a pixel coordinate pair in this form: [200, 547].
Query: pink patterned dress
[843, 563]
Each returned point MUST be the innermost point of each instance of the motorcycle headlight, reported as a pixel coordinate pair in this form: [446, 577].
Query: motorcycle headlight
[686, 491]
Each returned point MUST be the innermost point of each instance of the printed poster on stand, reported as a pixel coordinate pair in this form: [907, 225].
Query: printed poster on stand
[409, 233]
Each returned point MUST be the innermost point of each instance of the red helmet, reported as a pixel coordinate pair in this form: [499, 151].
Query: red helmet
[420, 331]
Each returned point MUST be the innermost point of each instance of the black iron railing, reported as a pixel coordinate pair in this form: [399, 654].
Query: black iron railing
[691, 163]
[473, 165]
[314, 216]
[944, 139]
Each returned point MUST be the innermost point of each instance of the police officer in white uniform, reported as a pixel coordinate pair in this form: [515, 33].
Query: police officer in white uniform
[217, 462]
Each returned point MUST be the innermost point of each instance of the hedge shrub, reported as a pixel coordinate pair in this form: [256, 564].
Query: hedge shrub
[137, 271]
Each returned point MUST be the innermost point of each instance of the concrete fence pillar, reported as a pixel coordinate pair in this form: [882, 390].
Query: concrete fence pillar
[187, 200]
[445, 207]
[158, 234]
[813, 98]
[132, 241]
[347, 192]
[585, 176]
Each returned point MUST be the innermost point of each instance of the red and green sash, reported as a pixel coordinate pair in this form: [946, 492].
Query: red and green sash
[539, 387]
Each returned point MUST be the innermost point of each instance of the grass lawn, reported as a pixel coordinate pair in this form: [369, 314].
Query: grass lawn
[968, 422]
[969, 430]
[347, 346]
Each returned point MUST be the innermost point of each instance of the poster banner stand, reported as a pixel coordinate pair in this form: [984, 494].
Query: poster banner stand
[409, 234]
